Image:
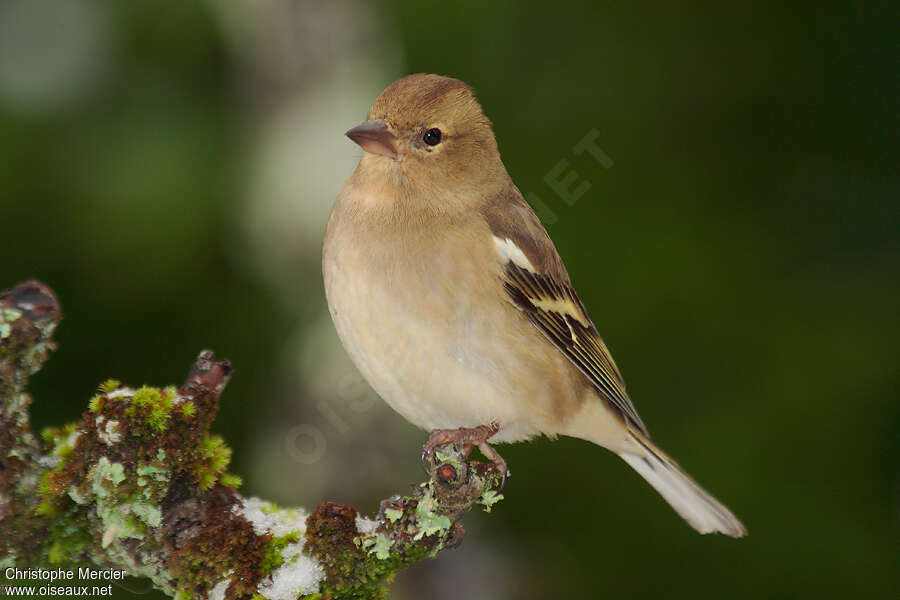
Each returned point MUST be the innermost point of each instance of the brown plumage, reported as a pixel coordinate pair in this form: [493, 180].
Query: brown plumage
[452, 301]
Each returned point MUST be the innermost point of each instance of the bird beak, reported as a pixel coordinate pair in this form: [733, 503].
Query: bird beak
[375, 138]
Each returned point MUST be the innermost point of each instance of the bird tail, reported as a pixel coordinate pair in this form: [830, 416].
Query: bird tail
[692, 502]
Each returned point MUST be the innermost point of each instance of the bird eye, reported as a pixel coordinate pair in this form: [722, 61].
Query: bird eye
[432, 137]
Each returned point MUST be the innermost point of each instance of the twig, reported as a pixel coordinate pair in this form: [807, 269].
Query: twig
[140, 484]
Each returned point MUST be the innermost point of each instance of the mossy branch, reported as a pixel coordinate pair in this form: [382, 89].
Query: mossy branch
[140, 484]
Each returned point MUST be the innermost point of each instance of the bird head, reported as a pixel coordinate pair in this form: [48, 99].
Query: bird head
[429, 135]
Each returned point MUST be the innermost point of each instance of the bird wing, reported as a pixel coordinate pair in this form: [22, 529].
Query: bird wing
[537, 283]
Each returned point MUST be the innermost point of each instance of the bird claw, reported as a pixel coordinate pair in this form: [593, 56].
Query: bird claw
[466, 439]
[499, 463]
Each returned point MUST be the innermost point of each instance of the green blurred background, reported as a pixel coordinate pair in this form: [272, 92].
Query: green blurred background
[168, 169]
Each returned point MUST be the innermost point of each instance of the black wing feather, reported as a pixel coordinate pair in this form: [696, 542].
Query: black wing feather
[540, 297]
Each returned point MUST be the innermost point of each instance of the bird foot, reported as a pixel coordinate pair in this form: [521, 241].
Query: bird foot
[466, 439]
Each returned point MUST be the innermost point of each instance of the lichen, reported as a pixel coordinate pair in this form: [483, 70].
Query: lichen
[379, 545]
[7, 317]
[429, 522]
[108, 431]
[489, 498]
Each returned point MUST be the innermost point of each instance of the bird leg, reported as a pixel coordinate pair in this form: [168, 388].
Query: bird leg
[466, 439]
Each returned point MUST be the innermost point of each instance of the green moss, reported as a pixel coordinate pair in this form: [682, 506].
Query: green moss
[214, 458]
[56, 554]
[206, 480]
[188, 409]
[231, 480]
[70, 537]
[48, 434]
[61, 440]
[146, 396]
[270, 508]
[154, 406]
[274, 554]
[227, 547]
[215, 449]
[52, 483]
[96, 403]
[354, 577]
[357, 568]
[109, 386]
[45, 508]
[44, 485]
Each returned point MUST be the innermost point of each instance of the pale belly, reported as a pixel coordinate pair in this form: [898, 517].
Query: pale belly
[444, 352]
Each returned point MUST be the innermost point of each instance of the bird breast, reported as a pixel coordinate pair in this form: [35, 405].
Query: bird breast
[426, 321]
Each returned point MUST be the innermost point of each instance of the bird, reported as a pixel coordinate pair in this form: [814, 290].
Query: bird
[454, 304]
